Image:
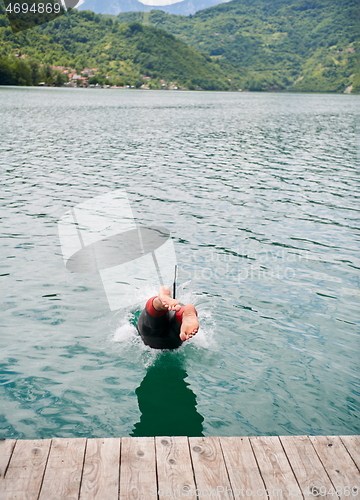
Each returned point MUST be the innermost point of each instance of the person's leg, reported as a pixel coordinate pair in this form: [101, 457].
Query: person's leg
[189, 324]
[185, 315]
[164, 302]
[154, 321]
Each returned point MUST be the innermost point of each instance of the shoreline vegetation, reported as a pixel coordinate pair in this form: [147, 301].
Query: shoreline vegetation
[242, 45]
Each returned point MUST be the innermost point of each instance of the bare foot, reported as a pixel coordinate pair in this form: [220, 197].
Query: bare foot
[164, 302]
[189, 324]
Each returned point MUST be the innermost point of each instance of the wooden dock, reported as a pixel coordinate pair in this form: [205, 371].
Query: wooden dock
[145, 468]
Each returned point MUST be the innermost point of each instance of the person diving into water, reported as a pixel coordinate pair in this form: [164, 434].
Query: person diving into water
[165, 323]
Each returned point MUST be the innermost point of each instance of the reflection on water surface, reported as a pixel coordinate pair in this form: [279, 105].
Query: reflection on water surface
[259, 193]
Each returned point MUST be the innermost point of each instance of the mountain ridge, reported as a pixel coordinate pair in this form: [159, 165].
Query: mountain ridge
[184, 7]
[123, 54]
[304, 45]
[293, 45]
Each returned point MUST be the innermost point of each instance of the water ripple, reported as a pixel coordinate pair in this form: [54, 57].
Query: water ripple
[260, 192]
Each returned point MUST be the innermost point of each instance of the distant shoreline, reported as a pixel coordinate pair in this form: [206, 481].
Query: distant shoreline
[245, 91]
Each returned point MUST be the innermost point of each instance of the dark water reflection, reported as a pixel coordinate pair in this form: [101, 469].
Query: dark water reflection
[166, 402]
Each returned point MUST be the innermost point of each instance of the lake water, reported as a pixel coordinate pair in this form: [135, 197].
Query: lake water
[261, 195]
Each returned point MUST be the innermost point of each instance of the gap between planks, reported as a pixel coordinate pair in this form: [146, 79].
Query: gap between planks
[196, 468]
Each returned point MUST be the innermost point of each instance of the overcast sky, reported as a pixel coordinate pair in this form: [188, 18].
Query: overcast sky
[159, 2]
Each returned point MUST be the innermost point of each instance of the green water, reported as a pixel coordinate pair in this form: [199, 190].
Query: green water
[260, 193]
[170, 409]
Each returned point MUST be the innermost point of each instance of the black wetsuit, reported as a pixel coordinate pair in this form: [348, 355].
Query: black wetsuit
[159, 329]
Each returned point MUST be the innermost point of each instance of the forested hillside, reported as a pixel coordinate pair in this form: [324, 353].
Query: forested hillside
[304, 45]
[294, 45]
[122, 54]
[114, 7]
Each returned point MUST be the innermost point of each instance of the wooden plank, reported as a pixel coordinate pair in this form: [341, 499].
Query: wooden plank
[25, 472]
[352, 444]
[224, 468]
[100, 478]
[275, 468]
[211, 476]
[339, 466]
[242, 468]
[174, 468]
[307, 467]
[138, 469]
[64, 469]
[6, 449]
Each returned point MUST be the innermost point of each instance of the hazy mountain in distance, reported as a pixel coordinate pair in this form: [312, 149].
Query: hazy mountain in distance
[184, 7]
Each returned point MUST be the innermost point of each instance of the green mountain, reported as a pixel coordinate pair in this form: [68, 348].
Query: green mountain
[303, 45]
[122, 54]
[296, 45]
